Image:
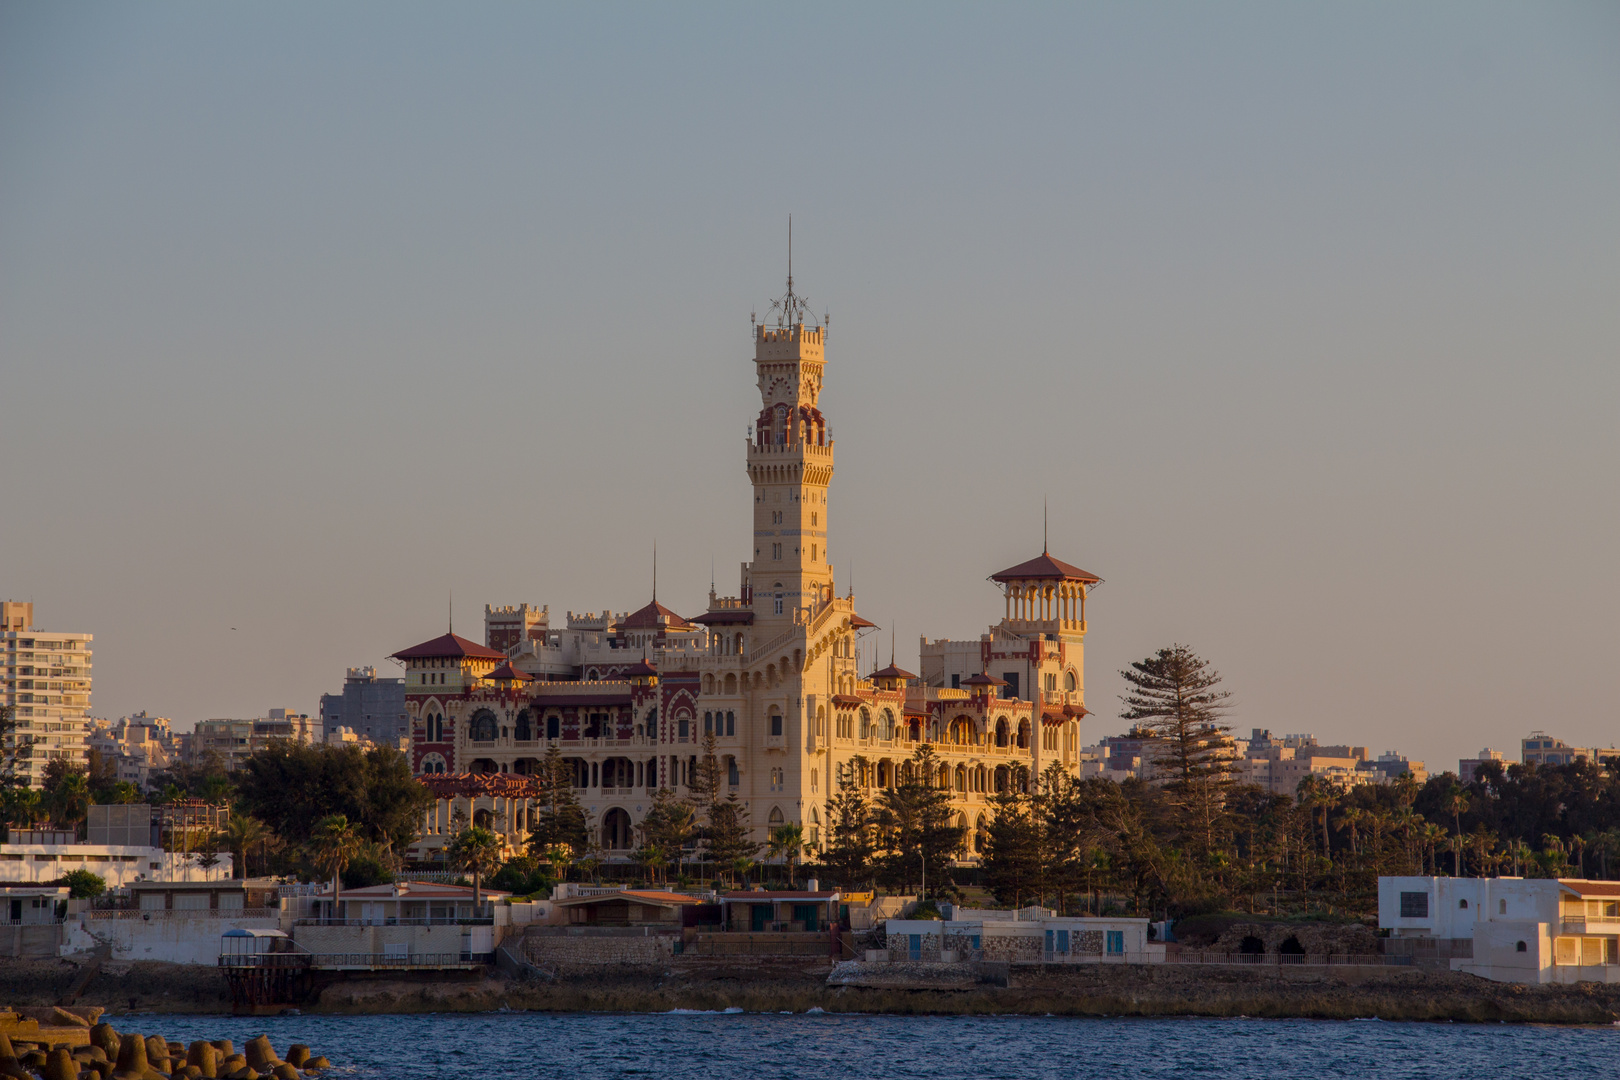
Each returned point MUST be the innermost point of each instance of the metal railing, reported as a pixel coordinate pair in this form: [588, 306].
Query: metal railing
[391, 921]
[352, 960]
[264, 960]
[1202, 956]
[447, 959]
[161, 914]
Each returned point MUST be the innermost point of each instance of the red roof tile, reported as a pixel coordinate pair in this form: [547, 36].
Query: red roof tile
[982, 679]
[640, 669]
[651, 617]
[448, 645]
[1045, 568]
[507, 671]
[858, 623]
[892, 672]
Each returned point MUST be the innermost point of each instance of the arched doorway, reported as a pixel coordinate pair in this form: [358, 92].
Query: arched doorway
[616, 831]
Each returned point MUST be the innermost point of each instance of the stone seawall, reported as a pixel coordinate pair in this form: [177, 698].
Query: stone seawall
[765, 985]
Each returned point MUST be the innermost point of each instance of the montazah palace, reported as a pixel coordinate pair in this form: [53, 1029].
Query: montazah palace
[630, 698]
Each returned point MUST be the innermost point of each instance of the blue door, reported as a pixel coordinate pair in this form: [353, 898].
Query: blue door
[1116, 943]
[1063, 942]
[759, 917]
[916, 946]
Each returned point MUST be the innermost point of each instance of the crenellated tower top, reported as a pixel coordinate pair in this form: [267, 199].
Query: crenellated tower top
[790, 462]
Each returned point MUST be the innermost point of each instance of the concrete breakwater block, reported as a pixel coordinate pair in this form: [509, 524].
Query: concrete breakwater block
[100, 1052]
[204, 1058]
[104, 1036]
[59, 1065]
[261, 1056]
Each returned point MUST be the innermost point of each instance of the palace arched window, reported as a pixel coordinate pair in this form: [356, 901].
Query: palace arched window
[866, 724]
[776, 722]
[483, 726]
[553, 726]
[524, 727]
[886, 729]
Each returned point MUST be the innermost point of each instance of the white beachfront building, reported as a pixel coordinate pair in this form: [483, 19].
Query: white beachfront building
[1534, 930]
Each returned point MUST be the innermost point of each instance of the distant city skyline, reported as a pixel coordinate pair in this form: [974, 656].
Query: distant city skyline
[1300, 321]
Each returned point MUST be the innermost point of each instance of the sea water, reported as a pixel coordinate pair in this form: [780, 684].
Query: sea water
[842, 1046]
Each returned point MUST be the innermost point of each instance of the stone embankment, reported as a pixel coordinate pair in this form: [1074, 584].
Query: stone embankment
[68, 1044]
[761, 984]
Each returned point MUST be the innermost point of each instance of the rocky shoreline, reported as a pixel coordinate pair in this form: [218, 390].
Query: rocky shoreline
[1342, 993]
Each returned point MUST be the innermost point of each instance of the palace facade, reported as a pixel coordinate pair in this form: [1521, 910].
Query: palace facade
[771, 672]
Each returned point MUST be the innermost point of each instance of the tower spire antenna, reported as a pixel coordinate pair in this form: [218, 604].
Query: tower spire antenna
[1043, 525]
[655, 571]
[452, 613]
[790, 254]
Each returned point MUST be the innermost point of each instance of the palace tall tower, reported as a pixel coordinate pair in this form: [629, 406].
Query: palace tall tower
[790, 462]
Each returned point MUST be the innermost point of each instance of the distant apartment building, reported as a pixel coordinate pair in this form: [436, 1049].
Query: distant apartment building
[374, 708]
[1467, 767]
[1123, 756]
[46, 677]
[1391, 764]
[1278, 764]
[1539, 748]
[234, 741]
[136, 746]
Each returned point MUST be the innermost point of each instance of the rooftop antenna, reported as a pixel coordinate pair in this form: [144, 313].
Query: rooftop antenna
[452, 611]
[655, 571]
[1043, 525]
[792, 308]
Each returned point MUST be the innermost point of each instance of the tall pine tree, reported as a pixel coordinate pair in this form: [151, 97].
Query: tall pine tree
[1175, 697]
[850, 847]
[560, 820]
[917, 826]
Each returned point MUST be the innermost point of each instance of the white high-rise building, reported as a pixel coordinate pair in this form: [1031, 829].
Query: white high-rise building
[46, 677]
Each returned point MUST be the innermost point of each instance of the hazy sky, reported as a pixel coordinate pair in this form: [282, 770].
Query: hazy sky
[1305, 319]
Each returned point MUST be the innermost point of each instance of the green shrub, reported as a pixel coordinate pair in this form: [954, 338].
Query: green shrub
[82, 883]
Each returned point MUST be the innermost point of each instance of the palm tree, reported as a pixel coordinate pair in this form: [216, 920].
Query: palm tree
[1455, 802]
[1553, 846]
[1350, 818]
[332, 844]
[560, 856]
[1431, 836]
[1604, 843]
[241, 833]
[651, 859]
[1577, 845]
[786, 842]
[476, 849]
[70, 800]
